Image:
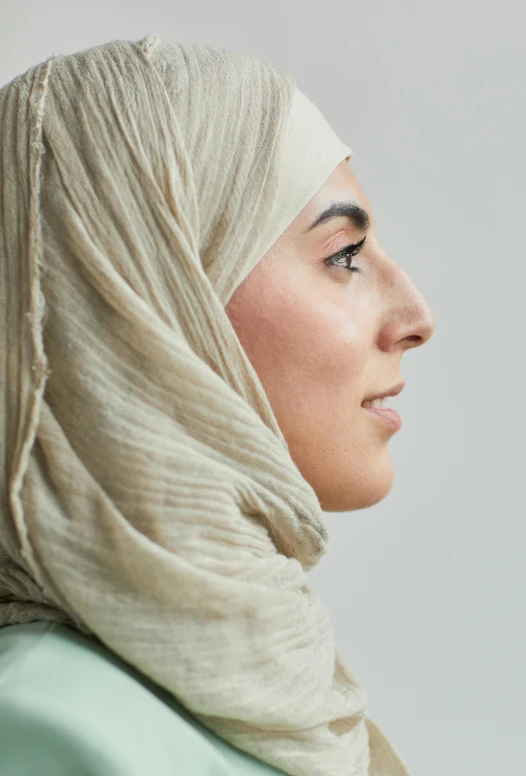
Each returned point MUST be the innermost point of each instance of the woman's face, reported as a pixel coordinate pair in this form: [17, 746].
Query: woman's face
[322, 338]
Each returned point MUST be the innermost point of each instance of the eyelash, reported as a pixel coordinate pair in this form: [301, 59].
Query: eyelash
[350, 250]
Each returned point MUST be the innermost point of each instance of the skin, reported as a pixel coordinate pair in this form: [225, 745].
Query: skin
[323, 338]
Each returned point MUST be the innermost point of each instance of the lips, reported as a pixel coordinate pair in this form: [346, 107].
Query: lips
[394, 391]
[388, 417]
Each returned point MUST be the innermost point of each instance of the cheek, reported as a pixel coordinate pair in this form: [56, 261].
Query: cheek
[307, 345]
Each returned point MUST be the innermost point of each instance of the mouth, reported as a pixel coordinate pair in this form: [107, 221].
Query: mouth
[378, 407]
[379, 400]
[380, 404]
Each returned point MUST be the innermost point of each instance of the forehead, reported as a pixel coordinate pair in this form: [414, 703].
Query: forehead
[340, 186]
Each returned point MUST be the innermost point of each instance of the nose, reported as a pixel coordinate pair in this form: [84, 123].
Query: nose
[412, 322]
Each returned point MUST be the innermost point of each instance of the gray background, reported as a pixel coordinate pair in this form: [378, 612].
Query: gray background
[426, 587]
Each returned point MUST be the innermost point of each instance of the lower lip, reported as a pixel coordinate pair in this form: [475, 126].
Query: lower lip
[389, 417]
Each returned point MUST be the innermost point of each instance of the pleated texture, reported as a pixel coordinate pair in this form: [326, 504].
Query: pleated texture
[148, 497]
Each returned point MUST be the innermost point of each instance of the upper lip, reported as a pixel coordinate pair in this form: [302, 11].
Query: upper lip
[389, 392]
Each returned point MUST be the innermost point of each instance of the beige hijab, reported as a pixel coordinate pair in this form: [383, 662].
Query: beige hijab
[148, 497]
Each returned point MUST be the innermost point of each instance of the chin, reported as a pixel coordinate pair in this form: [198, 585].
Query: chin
[352, 493]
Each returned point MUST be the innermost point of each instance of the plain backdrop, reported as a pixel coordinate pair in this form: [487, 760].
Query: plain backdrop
[431, 98]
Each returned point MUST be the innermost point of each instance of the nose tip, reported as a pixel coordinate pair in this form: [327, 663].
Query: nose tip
[421, 315]
[427, 326]
[423, 329]
[417, 321]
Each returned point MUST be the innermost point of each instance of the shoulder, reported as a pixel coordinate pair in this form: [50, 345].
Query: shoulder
[32, 744]
[69, 706]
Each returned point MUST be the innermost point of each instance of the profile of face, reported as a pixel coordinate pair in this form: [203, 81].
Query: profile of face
[323, 338]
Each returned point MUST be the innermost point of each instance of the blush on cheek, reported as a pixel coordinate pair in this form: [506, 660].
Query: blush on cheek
[311, 369]
[307, 349]
[328, 347]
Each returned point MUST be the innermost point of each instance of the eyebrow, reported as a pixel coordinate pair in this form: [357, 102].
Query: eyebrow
[358, 217]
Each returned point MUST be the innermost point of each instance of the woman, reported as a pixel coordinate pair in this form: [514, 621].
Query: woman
[187, 347]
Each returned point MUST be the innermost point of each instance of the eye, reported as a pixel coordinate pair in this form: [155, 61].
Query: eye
[347, 253]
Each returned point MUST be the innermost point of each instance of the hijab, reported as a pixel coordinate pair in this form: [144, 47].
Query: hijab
[147, 495]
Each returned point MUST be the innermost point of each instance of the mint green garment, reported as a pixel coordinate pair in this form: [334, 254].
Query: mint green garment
[70, 707]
